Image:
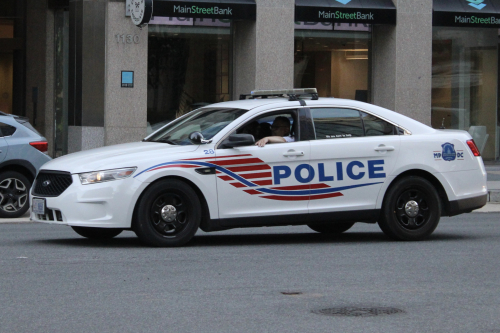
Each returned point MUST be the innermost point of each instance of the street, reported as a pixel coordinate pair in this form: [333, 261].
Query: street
[252, 280]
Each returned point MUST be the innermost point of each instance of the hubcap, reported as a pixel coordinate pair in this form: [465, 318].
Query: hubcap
[13, 195]
[411, 208]
[168, 213]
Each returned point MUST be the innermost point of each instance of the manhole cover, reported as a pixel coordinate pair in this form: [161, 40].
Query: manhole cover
[358, 312]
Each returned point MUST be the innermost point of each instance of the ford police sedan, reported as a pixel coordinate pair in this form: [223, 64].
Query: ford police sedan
[340, 162]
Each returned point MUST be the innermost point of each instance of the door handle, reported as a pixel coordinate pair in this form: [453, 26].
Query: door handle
[384, 148]
[293, 153]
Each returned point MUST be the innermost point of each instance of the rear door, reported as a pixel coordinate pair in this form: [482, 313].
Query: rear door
[264, 181]
[4, 147]
[354, 152]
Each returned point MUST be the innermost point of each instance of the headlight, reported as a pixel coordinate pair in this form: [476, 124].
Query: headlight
[105, 175]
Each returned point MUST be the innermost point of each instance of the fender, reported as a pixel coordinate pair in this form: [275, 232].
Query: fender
[23, 163]
[205, 183]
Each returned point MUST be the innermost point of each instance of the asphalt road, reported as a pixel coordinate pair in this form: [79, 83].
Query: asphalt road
[52, 280]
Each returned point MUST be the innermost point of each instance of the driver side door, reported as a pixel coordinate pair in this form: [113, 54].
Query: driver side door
[264, 181]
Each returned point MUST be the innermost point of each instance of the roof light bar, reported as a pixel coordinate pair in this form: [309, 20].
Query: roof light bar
[284, 92]
[293, 94]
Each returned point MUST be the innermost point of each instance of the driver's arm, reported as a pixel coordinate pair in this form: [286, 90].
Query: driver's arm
[270, 139]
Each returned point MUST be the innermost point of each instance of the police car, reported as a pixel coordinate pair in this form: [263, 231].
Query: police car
[346, 162]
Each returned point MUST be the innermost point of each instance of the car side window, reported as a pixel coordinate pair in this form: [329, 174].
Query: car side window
[336, 123]
[6, 130]
[281, 123]
[375, 126]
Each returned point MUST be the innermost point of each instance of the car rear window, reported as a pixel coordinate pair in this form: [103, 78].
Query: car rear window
[6, 130]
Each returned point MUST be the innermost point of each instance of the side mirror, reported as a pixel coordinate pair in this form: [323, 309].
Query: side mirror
[238, 140]
[197, 138]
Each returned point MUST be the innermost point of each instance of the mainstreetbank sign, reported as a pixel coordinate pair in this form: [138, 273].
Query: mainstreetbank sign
[338, 15]
[466, 13]
[347, 15]
[346, 11]
[466, 20]
[237, 10]
[181, 10]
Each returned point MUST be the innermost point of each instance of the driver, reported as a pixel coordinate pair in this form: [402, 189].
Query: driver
[280, 130]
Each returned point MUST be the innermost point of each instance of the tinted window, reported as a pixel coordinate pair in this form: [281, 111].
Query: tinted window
[6, 130]
[333, 123]
[375, 126]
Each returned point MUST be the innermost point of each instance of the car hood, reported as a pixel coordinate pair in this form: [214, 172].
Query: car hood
[116, 156]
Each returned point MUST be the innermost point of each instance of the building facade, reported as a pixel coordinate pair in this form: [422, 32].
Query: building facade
[87, 76]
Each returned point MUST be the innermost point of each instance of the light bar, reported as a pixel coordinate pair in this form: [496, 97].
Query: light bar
[284, 92]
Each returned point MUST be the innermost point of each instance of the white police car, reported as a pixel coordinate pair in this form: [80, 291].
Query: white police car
[348, 162]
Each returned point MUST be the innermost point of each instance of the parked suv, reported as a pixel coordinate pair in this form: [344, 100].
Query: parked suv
[22, 152]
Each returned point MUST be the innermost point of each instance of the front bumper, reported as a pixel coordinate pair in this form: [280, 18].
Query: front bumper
[104, 205]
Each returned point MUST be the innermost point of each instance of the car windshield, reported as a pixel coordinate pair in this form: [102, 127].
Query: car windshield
[207, 121]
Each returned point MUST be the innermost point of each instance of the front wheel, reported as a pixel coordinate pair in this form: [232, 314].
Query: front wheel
[168, 214]
[332, 228]
[97, 233]
[14, 188]
[411, 209]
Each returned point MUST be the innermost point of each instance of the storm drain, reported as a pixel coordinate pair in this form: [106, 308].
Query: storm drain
[358, 312]
[291, 293]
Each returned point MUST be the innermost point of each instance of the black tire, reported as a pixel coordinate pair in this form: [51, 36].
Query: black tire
[332, 228]
[168, 214]
[411, 209]
[97, 233]
[14, 194]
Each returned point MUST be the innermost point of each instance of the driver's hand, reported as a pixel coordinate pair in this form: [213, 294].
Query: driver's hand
[262, 142]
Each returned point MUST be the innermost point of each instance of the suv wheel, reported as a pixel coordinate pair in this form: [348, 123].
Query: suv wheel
[14, 194]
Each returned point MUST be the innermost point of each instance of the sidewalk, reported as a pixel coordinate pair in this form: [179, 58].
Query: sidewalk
[23, 219]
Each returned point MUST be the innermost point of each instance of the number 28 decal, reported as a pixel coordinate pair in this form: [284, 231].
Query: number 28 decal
[209, 151]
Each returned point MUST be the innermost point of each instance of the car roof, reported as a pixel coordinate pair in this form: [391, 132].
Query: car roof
[392, 116]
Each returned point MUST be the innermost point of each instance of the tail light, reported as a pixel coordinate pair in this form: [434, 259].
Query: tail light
[473, 147]
[42, 146]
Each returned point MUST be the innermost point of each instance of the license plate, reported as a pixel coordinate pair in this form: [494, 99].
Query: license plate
[38, 206]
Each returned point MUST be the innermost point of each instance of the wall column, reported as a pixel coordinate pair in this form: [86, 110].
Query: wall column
[402, 61]
[104, 42]
[263, 50]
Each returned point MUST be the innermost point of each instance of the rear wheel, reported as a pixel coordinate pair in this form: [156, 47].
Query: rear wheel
[14, 188]
[333, 228]
[169, 214]
[411, 209]
[97, 233]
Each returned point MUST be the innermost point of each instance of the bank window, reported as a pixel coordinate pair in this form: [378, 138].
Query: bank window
[375, 126]
[189, 65]
[336, 123]
[334, 58]
[464, 84]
